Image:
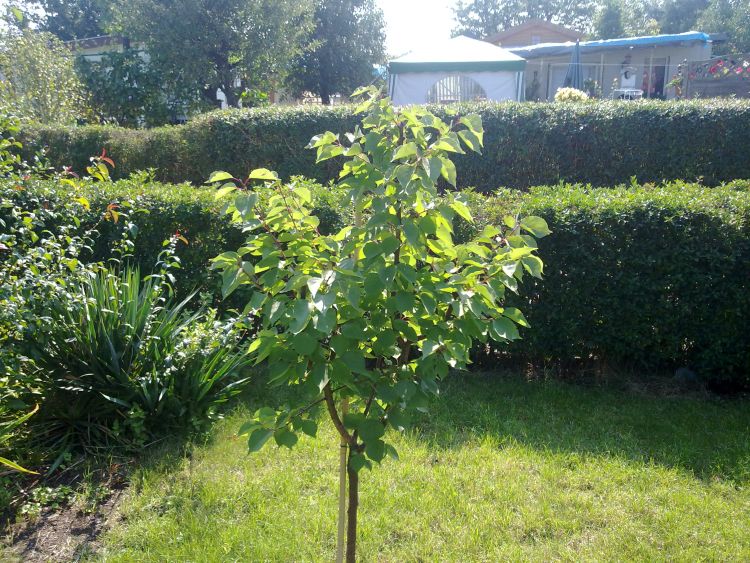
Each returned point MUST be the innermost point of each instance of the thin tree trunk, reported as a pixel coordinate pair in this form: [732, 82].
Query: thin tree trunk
[351, 523]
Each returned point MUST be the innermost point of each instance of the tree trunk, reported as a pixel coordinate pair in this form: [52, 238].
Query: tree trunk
[351, 524]
[325, 96]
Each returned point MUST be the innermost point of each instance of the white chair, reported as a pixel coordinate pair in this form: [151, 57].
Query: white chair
[627, 89]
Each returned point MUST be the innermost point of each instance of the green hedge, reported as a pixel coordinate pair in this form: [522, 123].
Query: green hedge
[649, 277]
[600, 143]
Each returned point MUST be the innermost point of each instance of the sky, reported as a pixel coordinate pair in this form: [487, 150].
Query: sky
[411, 24]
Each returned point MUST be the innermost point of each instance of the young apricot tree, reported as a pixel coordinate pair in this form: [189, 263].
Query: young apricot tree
[369, 320]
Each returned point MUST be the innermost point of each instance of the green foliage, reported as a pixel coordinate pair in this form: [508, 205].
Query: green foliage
[122, 364]
[649, 278]
[379, 312]
[525, 144]
[731, 17]
[70, 19]
[348, 39]
[126, 90]
[608, 23]
[108, 357]
[200, 46]
[483, 18]
[698, 238]
[39, 79]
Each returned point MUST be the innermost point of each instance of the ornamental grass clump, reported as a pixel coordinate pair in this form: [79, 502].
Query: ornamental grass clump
[367, 321]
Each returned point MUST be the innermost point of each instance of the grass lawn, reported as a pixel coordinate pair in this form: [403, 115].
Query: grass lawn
[501, 469]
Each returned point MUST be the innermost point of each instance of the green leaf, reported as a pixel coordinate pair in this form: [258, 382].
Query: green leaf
[13, 465]
[301, 313]
[448, 171]
[263, 174]
[285, 437]
[358, 462]
[463, 211]
[223, 191]
[516, 316]
[533, 265]
[258, 439]
[536, 226]
[219, 177]
[304, 344]
[504, 329]
[375, 450]
[405, 151]
[472, 140]
[309, 427]
[370, 429]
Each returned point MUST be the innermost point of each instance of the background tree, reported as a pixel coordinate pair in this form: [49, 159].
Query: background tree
[608, 23]
[40, 82]
[233, 45]
[732, 17]
[681, 15]
[348, 39]
[481, 18]
[126, 90]
[71, 19]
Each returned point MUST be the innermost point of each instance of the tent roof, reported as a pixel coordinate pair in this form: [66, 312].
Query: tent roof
[461, 54]
[556, 49]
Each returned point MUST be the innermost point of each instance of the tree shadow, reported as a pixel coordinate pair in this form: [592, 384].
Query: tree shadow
[704, 434]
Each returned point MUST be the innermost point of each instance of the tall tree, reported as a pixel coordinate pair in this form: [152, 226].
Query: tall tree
[732, 17]
[39, 79]
[608, 23]
[481, 18]
[69, 19]
[348, 40]
[682, 15]
[205, 45]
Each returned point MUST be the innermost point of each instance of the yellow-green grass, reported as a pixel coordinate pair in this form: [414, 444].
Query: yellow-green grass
[501, 469]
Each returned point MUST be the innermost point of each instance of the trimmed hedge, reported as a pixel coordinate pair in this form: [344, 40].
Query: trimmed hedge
[650, 277]
[526, 144]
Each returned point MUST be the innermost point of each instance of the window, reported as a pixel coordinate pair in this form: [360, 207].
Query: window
[455, 89]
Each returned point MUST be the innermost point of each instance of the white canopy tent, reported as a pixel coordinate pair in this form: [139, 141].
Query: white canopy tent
[458, 70]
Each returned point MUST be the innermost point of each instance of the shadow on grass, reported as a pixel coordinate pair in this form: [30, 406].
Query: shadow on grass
[706, 435]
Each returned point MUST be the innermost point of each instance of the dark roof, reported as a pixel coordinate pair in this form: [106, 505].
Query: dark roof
[96, 42]
[500, 35]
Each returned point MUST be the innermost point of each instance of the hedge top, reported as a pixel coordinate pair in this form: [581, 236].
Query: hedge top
[602, 143]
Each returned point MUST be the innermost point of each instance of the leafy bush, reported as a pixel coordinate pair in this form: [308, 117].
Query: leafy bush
[604, 143]
[570, 95]
[121, 363]
[663, 271]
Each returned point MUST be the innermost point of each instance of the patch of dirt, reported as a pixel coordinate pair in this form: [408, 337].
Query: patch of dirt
[66, 534]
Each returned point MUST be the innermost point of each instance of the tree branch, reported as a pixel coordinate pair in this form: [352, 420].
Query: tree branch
[328, 395]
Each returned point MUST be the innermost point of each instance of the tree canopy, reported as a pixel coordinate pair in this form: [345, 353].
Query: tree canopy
[481, 18]
[348, 39]
[234, 45]
[39, 80]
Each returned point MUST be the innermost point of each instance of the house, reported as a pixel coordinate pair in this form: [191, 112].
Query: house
[613, 67]
[533, 32]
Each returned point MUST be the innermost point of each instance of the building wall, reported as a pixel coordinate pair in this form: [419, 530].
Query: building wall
[605, 67]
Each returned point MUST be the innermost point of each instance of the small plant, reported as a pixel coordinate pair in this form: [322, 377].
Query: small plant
[570, 95]
[123, 364]
[47, 497]
[367, 321]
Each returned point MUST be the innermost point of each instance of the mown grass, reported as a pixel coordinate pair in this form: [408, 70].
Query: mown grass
[501, 469]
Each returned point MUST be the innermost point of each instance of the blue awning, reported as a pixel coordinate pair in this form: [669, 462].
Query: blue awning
[557, 49]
